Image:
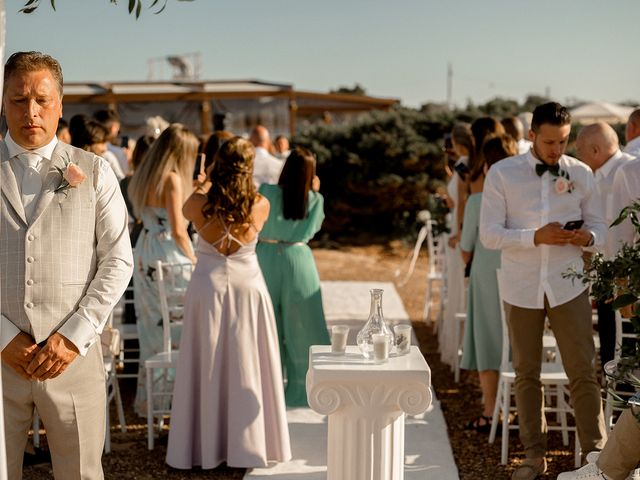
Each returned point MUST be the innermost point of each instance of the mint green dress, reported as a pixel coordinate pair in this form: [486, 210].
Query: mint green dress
[482, 348]
[290, 272]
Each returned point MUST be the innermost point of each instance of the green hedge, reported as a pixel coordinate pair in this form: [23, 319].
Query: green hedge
[379, 171]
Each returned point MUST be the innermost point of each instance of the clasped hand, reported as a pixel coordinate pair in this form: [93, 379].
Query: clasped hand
[33, 362]
[554, 234]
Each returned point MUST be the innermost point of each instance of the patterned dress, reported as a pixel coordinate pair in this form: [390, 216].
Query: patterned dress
[154, 243]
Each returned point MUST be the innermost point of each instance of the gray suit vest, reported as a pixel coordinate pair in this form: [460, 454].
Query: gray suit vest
[47, 264]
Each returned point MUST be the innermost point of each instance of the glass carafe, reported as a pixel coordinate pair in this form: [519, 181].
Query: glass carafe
[375, 324]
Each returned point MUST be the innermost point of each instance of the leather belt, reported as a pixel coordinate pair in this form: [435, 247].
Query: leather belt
[279, 242]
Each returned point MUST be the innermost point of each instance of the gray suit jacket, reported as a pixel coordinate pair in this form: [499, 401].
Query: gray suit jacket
[66, 268]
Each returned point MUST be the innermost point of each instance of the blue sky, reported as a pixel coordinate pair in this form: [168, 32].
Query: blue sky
[394, 48]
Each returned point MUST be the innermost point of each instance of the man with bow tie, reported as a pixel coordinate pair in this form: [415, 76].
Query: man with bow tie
[65, 260]
[527, 201]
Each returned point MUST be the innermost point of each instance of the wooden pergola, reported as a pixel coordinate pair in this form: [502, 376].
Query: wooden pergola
[301, 104]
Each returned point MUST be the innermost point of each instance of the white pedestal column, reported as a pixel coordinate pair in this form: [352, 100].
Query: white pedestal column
[366, 404]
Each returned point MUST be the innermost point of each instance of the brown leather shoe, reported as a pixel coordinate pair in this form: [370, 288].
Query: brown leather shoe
[530, 468]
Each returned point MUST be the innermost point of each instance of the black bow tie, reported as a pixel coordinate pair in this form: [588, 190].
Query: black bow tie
[543, 167]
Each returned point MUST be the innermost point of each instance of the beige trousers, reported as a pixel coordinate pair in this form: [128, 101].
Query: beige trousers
[621, 454]
[72, 409]
[571, 325]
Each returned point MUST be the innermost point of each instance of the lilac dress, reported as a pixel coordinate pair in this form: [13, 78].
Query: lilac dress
[228, 402]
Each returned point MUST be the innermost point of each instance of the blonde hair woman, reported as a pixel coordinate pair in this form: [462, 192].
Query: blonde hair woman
[228, 404]
[157, 191]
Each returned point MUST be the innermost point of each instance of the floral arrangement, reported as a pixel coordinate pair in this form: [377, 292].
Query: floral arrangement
[617, 280]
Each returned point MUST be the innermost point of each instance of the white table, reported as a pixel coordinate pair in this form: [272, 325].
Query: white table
[366, 404]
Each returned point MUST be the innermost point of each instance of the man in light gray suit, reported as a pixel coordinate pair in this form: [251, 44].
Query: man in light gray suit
[65, 260]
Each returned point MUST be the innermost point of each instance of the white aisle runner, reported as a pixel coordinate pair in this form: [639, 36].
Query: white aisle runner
[428, 453]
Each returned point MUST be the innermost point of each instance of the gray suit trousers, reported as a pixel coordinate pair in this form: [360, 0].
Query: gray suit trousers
[71, 406]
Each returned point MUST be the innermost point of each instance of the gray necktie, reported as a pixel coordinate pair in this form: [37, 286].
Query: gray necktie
[31, 182]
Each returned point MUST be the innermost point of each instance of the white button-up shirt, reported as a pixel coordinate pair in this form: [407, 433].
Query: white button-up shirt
[18, 165]
[524, 145]
[515, 203]
[626, 190]
[633, 147]
[266, 167]
[604, 191]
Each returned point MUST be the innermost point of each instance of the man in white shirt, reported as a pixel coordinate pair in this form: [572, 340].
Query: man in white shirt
[513, 126]
[527, 199]
[626, 190]
[632, 134]
[597, 146]
[266, 167]
[111, 121]
[282, 148]
[621, 455]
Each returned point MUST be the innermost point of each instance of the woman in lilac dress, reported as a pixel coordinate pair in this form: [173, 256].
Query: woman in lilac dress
[228, 403]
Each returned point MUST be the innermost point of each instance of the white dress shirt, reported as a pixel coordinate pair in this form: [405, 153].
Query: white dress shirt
[633, 147]
[78, 329]
[19, 167]
[266, 168]
[626, 190]
[113, 162]
[604, 191]
[524, 145]
[515, 203]
[121, 156]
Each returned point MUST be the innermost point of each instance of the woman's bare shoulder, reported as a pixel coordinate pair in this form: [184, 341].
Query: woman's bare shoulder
[192, 208]
[260, 211]
[261, 204]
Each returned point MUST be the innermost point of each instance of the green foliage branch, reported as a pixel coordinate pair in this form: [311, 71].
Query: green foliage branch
[617, 281]
[134, 6]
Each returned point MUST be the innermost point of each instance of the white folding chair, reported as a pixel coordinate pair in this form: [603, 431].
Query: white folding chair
[612, 385]
[461, 319]
[172, 279]
[129, 353]
[436, 274]
[128, 360]
[110, 339]
[552, 376]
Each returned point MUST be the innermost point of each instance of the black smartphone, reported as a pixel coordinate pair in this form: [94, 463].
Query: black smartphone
[462, 170]
[199, 166]
[124, 143]
[573, 225]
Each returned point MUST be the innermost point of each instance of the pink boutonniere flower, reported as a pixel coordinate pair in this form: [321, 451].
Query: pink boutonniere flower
[72, 176]
[562, 184]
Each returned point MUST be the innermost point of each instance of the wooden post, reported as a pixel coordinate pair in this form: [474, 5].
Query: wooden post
[205, 117]
[293, 114]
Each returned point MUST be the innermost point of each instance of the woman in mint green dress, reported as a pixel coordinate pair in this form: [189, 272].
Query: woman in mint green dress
[289, 269]
[482, 349]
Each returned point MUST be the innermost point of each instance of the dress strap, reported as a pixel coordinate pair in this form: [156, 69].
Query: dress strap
[204, 226]
[227, 235]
